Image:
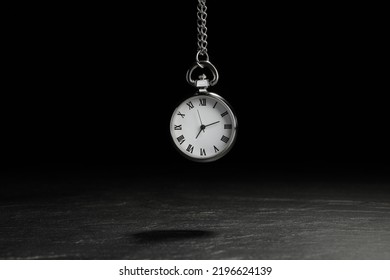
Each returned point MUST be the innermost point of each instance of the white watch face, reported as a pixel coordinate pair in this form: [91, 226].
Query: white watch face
[203, 127]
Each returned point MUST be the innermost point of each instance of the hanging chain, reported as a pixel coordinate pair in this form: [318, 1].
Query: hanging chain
[202, 30]
[202, 57]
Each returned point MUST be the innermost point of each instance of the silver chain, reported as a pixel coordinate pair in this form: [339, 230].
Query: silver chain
[202, 30]
[202, 57]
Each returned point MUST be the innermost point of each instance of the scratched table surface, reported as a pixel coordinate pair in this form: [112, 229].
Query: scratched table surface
[119, 216]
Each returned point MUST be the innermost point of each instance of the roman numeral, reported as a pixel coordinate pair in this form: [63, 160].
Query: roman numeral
[216, 149]
[181, 139]
[177, 127]
[228, 126]
[224, 139]
[202, 152]
[215, 104]
[190, 105]
[224, 114]
[190, 148]
[182, 115]
[202, 101]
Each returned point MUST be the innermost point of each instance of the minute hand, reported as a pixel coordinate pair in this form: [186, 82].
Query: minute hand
[211, 124]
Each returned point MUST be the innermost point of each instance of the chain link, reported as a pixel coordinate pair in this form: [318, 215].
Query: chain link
[202, 30]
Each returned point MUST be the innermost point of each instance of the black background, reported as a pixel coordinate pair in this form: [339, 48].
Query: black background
[97, 84]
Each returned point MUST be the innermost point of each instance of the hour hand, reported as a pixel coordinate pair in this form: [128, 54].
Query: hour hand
[211, 124]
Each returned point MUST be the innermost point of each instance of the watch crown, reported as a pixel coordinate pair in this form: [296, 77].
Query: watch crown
[202, 83]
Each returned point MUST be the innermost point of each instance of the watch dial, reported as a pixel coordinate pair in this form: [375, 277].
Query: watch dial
[203, 127]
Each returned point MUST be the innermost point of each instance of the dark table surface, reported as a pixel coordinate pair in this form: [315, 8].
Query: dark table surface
[124, 216]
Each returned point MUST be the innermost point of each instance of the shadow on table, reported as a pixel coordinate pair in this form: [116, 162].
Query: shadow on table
[170, 235]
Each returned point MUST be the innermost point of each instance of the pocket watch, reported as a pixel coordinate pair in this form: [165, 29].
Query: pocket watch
[203, 127]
